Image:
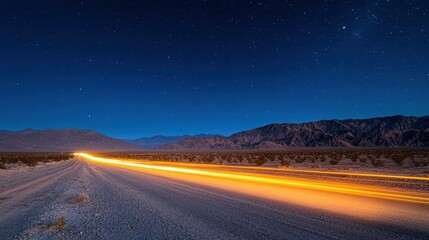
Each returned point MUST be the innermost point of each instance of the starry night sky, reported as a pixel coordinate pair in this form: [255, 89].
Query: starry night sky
[140, 68]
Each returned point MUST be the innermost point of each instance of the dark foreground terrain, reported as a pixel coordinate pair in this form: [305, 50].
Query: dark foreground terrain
[83, 199]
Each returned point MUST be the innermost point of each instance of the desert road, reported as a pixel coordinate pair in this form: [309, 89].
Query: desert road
[96, 198]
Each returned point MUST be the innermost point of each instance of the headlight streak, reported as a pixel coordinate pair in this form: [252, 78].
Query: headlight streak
[340, 173]
[337, 188]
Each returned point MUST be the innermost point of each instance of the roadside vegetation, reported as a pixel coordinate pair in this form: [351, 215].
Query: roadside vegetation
[80, 198]
[31, 159]
[299, 157]
[58, 225]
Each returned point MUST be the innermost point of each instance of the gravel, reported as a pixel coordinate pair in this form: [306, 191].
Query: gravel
[104, 202]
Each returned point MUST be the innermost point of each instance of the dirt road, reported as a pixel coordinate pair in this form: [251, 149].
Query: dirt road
[80, 199]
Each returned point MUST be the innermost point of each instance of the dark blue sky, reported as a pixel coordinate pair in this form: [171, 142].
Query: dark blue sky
[141, 68]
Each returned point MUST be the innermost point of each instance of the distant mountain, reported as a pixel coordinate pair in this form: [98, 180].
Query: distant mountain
[159, 140]
[395, 131]
[60, 140]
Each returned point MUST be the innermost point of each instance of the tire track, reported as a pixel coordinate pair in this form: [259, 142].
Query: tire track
[33, 184]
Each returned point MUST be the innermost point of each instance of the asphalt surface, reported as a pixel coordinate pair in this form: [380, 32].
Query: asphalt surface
[130, 204]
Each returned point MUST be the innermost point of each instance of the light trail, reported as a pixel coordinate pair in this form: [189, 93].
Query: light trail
[349, 174]
[338, 173]
[321, 172]
[315, 185]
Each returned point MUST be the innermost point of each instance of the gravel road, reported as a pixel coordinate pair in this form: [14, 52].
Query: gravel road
[97, 201]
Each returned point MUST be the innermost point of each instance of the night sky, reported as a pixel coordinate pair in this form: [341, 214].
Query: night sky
[140, 68]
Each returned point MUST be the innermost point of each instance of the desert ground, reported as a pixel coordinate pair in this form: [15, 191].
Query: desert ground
[133, 196]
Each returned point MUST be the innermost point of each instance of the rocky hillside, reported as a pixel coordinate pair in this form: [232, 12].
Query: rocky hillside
[60, 140]
[159, 140]
[395, 131]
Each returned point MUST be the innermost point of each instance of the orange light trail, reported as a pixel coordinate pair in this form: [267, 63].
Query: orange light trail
[316, 185]
[319, 172]
[340, 173]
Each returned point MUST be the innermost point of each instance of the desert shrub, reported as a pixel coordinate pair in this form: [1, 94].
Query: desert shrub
[363, 159]
[377, 163]
[284, 163]
[57, 225]
[353, 156]
[398, 159]
[32, 159]
[271, 157]
[334, 161]
[83, 197]
[208, 158]
[30, 162]
[261, 160]
[300, 159]
[378, 155]
[419, 163]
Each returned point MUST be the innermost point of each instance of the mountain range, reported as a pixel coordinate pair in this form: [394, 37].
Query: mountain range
[159, 140]
[60, 140]
[394, 131]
